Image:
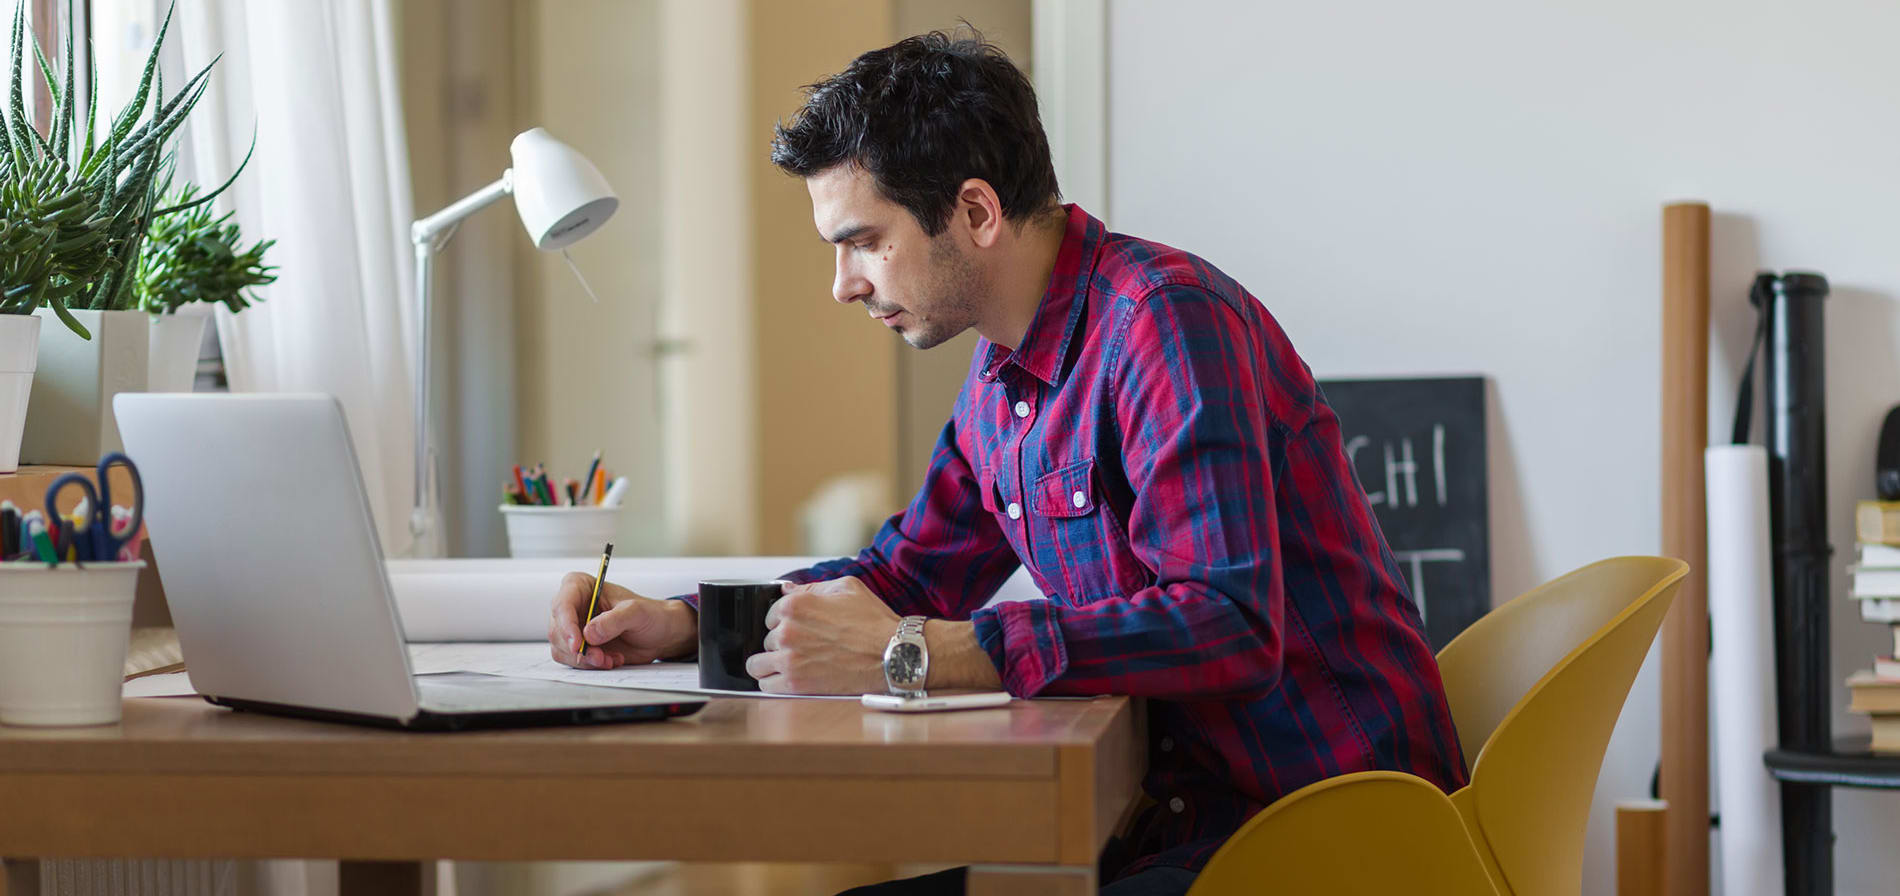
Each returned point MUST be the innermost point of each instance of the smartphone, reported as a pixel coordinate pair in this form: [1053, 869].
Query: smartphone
[935, 702]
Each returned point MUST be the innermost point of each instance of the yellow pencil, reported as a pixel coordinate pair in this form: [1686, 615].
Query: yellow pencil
[595, 599]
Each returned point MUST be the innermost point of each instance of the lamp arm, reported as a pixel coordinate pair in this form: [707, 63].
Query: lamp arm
[429, 234]
[429, 228]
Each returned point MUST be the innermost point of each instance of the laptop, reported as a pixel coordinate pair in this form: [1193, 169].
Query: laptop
[256, 508]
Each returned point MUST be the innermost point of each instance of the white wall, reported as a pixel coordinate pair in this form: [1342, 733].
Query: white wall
[1475, 186]
[588, 377]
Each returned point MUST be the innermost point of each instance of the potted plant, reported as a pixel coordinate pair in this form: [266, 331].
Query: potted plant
[52, 244]
[100, 348]
[192, 257]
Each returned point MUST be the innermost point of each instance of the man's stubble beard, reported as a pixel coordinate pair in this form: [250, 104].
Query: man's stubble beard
[955, 284]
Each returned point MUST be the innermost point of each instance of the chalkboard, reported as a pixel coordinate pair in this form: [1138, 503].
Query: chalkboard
[1417, 446]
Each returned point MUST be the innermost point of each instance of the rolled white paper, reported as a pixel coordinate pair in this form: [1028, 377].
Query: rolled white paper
[1741, 674]
[507, 599]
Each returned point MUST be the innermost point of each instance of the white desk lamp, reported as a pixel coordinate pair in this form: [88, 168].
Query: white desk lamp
[561, 198]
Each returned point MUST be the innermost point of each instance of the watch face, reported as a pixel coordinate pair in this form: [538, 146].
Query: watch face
[905, 664]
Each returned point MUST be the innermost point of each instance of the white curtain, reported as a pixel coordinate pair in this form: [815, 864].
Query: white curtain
[317, 82]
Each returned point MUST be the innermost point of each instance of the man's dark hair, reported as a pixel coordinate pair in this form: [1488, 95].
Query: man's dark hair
[921, 116]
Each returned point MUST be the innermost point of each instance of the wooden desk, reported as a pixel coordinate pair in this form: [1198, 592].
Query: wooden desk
[1028, 793]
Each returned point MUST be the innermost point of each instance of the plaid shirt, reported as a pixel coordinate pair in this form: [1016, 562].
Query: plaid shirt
[1163, 461]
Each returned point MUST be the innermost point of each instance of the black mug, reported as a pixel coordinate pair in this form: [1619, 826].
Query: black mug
[732, 629]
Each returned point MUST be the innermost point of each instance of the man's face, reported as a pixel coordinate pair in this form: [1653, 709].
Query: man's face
[926, 288]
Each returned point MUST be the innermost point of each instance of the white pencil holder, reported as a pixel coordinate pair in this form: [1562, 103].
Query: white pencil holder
[63, 633]
[558, 531]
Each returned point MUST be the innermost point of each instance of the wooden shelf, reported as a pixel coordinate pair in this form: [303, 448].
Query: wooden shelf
[1851, 763]
[27, 485]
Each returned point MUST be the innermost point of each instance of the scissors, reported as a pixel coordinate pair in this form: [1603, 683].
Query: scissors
[93, 539]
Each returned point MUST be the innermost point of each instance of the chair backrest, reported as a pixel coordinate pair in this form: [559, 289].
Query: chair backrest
[1493, 663]
[1536, 768]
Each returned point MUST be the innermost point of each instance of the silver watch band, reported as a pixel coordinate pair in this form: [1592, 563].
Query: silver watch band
[910, 638]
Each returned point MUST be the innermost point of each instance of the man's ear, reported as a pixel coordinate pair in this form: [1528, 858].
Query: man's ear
[981, 210]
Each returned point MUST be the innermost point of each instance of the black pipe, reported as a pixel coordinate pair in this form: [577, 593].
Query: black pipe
[1797, 503]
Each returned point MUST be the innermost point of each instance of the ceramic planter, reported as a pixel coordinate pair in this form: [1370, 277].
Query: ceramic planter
[69, 419]
[175, 339]
[19, 353]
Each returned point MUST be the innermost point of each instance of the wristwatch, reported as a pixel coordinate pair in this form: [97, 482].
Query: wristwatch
[906, 661]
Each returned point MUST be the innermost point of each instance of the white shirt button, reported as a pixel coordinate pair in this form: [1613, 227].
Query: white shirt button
[1022, 409]
[1015, 510]
[1177, 805]
[1167, 745]
[1079, 499]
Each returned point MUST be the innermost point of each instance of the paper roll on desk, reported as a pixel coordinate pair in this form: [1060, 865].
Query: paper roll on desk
[1742, 688]
[507, 599]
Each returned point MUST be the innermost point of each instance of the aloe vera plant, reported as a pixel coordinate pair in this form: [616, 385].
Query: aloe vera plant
[75, 202]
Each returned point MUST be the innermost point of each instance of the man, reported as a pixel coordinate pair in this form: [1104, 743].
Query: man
[1136, 428]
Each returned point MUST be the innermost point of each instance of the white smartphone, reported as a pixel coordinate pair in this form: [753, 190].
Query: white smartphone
[935, 702]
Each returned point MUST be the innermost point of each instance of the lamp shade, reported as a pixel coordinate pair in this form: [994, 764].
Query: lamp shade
[560, 196]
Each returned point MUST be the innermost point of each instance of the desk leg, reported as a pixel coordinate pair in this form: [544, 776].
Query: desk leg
[22, 878]
[386, 878]
[1031, 880]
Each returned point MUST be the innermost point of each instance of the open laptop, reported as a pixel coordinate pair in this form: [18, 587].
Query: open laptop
[271, 565]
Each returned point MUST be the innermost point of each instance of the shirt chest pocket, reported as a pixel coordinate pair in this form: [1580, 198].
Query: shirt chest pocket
[1074, 526]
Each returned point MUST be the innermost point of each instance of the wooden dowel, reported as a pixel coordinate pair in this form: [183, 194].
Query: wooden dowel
[1639, 848]
[1685, 650]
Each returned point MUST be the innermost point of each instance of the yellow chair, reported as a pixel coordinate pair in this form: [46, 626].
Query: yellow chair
[1536, 685]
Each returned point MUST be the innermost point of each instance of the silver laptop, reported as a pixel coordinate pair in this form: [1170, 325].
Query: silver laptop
[267, 550]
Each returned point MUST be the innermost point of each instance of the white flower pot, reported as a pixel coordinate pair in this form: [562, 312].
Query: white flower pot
[540, 531]
[175, 339]
[69, 420]
[19, 354]
[63, 633]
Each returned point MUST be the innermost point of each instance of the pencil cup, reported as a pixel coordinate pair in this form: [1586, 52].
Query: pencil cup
[558, 531]
[63, 633]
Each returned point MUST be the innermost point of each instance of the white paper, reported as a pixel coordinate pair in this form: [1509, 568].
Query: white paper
[1741, 673]
[531, 660]
[164, 684]
[507, 599]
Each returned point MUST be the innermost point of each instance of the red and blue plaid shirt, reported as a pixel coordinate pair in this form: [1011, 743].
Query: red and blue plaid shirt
[1163, 461]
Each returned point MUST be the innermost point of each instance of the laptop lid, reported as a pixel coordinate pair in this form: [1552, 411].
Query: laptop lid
[271, 563]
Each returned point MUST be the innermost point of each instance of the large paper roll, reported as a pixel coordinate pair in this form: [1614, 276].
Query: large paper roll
[507, 599]
[1741, 614]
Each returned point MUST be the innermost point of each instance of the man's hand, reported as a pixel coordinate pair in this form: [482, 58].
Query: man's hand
[627, 628]
[825, 638]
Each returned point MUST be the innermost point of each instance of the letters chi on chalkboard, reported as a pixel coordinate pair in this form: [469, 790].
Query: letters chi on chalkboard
[1417, 446]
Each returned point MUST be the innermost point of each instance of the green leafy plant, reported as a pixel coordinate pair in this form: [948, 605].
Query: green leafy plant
[52, 240]
[75, 204]
[194, 256]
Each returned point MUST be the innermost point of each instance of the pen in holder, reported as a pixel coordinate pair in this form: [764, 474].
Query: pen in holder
[569, 518]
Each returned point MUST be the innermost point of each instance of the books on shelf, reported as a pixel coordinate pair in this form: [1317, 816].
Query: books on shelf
[1880, 609]
[1872, 694]
[1886, 732]
[1873, 582]
[1879, 556]
[1877, 522]
[1878, 696]
[1886, 668]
